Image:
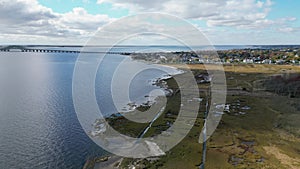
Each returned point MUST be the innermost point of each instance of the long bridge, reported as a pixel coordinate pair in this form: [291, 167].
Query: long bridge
[16, 48]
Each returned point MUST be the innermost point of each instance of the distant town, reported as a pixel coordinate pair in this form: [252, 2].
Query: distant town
[257, 55]
[246, 56]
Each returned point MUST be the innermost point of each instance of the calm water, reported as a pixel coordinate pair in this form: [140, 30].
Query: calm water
[38, 123]
[38, 126]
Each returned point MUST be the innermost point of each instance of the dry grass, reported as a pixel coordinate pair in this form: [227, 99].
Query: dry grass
[244, 68]
[256, 125]
[292, 163]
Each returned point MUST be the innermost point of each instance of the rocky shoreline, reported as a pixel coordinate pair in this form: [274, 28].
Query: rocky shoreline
[105, 162]
[113, 161]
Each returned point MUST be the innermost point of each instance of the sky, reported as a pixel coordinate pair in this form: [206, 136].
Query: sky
[223, 22]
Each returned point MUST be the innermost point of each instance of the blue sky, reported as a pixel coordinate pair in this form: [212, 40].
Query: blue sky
[222, 21]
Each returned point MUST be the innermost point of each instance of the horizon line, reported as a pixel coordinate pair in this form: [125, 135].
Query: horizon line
[73, 45]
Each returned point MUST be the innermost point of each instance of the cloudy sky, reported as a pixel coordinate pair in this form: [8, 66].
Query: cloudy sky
[224, 22]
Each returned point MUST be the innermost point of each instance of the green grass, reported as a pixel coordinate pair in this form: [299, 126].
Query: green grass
[270, 121]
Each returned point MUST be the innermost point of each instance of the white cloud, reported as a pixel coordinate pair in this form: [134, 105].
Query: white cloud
[80, 20]
[29, 22]
[20, 12]
[289, 29]
[237, 13]
[249, 15]
[21, 18]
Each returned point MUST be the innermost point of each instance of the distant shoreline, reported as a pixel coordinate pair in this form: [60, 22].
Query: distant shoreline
[217, 47]
[266, 45]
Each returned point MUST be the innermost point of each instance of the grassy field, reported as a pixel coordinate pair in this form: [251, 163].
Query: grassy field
[261, 130]
[244, 68]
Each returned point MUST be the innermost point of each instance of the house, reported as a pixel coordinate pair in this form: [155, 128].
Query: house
[280, 61]
[248, 61]
[267, 61]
